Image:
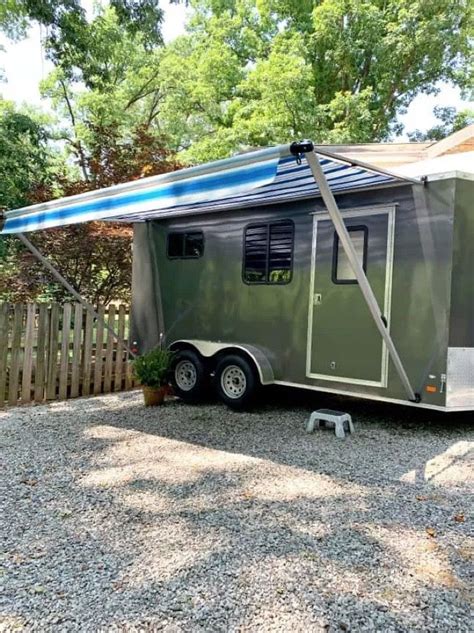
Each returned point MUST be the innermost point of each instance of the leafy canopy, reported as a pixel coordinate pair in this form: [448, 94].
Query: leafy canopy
[109, 98]
[67, 23]
[26, 158]
[253, 72]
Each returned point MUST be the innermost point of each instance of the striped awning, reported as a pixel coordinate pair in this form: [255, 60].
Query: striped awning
[258, 178]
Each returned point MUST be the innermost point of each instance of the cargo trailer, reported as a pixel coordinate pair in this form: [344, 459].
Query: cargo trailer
[295, 266]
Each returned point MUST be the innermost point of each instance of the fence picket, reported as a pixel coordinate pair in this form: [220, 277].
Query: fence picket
[120, 349]
[76, 351]
[65, 341]
[28, 352]
[87, 354]
[40, 371]
[128, 361]
[52, 353]
[99, 343]
[109, 355]
[14, 378]
[4, 332]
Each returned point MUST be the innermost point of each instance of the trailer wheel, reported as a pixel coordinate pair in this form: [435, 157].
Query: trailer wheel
[236, 382]
[189, 377]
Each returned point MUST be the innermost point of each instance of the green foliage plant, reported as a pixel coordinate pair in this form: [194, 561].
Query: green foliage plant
[151, 369]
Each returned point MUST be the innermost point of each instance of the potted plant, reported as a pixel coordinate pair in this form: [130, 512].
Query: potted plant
[151, 370]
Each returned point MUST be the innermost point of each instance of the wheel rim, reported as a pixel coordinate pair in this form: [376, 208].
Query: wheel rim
[233, 381]
[185, 375]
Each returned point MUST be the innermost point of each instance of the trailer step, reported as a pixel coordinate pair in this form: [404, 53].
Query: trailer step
[338, 420]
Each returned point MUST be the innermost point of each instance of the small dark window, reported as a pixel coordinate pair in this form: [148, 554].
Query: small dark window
[342, 272]
[175, 244]
[268, 253]
[185, 245]
[193, 244]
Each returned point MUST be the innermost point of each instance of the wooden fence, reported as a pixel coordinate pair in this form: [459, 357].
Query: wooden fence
[51, 352]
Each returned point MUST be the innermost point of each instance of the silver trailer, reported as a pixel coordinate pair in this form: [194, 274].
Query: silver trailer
[296, 267]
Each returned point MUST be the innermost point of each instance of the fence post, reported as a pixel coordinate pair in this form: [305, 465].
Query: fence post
[129, 377]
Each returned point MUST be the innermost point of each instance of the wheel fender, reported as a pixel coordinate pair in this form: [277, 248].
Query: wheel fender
[208, 349]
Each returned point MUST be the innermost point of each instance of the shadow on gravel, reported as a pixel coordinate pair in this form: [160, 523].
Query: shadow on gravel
[404, 439]
[133, 523]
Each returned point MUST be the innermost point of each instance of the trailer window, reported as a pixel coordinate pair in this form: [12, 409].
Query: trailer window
[268, 253]
[185, 245]
[342, 272]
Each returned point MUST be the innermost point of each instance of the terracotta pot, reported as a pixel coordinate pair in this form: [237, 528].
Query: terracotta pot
[168, 390]
[154, 395]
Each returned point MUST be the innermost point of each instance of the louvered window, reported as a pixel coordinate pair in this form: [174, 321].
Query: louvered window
[268, 253]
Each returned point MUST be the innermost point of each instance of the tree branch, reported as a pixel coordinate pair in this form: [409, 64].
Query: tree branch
[82, 157]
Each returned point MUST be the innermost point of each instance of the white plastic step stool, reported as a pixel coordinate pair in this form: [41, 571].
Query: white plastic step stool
[338, 420]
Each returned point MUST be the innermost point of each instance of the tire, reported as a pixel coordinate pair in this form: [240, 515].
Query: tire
[236, 382]
[189, 376]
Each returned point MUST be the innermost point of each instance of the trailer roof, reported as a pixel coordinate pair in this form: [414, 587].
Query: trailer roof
[458, 165]
[257, 178]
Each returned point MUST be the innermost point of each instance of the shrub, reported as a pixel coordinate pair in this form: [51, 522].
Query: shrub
[151, 369]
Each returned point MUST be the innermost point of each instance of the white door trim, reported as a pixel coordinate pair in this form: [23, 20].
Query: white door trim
[354, 213]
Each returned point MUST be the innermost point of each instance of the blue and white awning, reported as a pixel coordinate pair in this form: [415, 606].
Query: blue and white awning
[257, 178]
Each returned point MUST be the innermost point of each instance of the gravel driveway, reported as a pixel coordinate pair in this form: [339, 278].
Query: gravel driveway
[194, 518]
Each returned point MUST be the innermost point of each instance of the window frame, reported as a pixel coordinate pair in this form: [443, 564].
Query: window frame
[268, 224]
[184, 233]
[335, 254]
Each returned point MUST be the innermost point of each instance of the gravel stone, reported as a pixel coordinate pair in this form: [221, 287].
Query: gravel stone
[117, 517]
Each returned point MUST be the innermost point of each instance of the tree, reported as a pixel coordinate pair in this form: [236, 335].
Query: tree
[13, 20]
[111, 88]
[27, 163]
[98, 91]
[26, 158]
[450, 121]
[110, 143]
[67, 23]
[95, 257]
[333, 70]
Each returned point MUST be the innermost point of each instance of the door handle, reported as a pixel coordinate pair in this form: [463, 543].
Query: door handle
[317, 299]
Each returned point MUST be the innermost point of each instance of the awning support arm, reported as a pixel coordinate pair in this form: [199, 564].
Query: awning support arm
[307, 148]
[57, 275]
